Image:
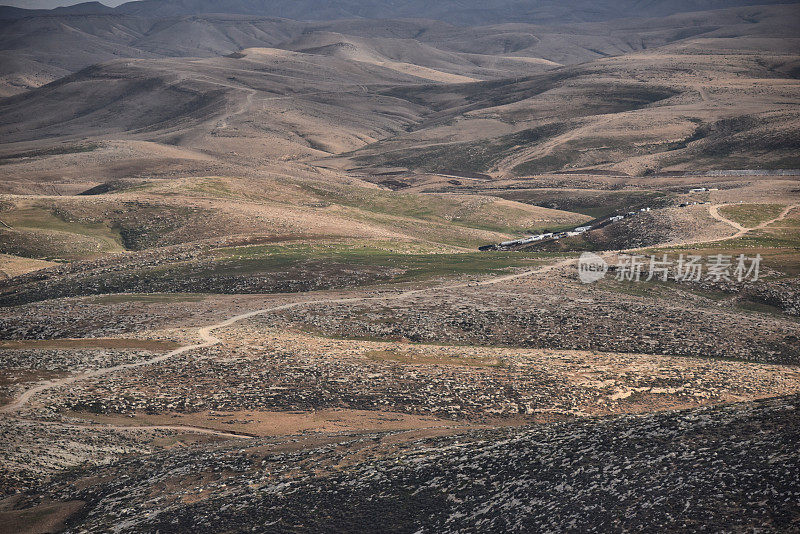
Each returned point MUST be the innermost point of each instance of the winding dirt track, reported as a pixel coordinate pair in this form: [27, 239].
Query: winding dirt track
[714, 211]
[741, 230]
[209, 340]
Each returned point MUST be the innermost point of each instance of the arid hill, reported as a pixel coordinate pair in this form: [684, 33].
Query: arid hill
[322, 266]
[43, 46]
[706, 101]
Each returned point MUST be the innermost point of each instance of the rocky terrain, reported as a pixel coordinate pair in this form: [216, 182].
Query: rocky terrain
[566, 316]
[721, 468]
[322, 267]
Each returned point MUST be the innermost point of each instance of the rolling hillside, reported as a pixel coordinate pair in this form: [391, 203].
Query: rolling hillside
[400, 266]
[41, 47]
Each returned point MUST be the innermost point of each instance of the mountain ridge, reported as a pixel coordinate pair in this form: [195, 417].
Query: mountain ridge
[492, 12]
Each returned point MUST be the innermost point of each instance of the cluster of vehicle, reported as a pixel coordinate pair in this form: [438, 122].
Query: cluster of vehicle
[551, 236]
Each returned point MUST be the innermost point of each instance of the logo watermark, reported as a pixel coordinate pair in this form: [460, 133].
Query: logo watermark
[684, 268]
[591, 267]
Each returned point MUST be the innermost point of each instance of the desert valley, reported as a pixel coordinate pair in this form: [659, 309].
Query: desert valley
[400, 267]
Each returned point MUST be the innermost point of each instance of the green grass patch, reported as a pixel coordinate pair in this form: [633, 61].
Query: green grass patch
[779, 248]
[53, 151]
[479, 215]
[751, 215]
[216, 187]
[39, 232]
[416, 261]
[593, 203]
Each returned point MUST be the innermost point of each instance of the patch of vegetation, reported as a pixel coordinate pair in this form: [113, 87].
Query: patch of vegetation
[475, 214]
[554, 161]
[42, 217]
[595, 204]
[287, 268]
[751, 215]
[760, 307]
[71, 230]
[412, 265]
[469, 157]
[217, 187]
[779, 248]
[44, 232]
[142, 226]
[748, 141]
[588, 151]
[54, 151]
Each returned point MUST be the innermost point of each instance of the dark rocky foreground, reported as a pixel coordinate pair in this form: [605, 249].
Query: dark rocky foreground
[734, 469]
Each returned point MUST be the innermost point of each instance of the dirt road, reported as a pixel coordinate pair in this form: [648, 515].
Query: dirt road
[714, 212]
[741, 230]
[209, 340]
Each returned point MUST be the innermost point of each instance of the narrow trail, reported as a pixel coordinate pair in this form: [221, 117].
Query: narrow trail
[714, 211]
[209, 340]
[740, 230]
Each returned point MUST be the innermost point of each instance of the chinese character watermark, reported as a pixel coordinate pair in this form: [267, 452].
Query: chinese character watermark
[684, 268]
